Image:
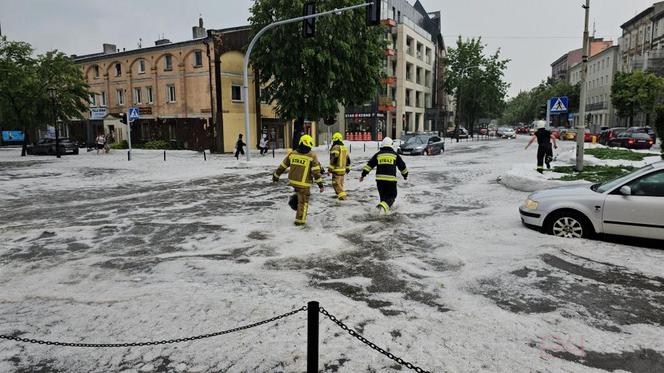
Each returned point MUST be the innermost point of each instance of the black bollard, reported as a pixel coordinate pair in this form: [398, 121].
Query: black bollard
[204, 156]
[350, 148]
[164, 155]
[129, 155]
[365, 147]
[312, 337]
[273, 153]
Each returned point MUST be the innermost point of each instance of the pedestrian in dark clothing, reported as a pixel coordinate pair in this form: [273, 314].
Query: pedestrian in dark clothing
[386, 162]
[239, 147]
[544, 151]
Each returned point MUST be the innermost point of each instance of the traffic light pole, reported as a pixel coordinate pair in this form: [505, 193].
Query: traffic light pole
[129, 134]
[245, 87]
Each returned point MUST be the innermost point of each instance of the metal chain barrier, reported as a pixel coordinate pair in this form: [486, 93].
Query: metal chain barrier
[371, 344]
[154, 343]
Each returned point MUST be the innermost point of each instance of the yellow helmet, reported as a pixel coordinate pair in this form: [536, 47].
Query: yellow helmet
[337, 137]
[307, 141]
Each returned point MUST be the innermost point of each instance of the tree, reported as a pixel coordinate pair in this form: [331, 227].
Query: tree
[526, 105]
[310, 77]
[636, 92]
[24, 81]
[476, 80]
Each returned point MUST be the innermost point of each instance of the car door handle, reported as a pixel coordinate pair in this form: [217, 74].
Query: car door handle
[598, 208]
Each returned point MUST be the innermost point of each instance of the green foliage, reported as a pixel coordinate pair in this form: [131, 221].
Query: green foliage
[594, 174]
[636, 92]
[310, 77]
[659, 127]
[24, 84]
[156, 145]
[620, 154]
[476, 79]
[120, 145]
[524, 108]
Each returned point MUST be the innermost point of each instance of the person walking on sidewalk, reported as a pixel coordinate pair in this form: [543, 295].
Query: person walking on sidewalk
[304, 169]
[386, 162]
[101, 140]
[263, 144]
[239, 147]
[544, 151]
[339, 165]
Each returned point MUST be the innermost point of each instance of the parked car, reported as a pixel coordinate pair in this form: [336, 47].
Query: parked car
[632, 141]
[46, 146]
[506, 133]
[484, 131]
[628, 206]
[422, 144]
[588, 136]
[647, 130]
[609, 134]
[463, 133]
[570, 134]
[555, 132]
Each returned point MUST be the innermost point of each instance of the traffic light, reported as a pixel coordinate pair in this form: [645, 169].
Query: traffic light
[542, 112]
[373, 12]
[123, 118]
[309, 25]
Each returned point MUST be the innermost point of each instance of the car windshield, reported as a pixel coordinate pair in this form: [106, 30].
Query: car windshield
[609, 185]
[416, 140]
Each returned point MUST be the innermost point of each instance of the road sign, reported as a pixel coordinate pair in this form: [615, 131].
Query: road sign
[134, 114]
[559, 104]
[97, 113]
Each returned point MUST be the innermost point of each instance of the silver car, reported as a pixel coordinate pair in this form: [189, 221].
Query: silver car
[506, 133]
[632, 205]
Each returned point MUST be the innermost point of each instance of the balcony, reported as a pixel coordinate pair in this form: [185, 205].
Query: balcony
[389, 52]
[389, 22]
[386, 103]
[596, 106]
[390, 80]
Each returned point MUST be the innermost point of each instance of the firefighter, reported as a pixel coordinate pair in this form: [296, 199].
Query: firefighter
[544, 151]
[304, 168]
[386, 162]
[339, 165]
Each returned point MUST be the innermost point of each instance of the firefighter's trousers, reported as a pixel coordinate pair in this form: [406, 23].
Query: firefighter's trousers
[388, 193]
[338, 185]
[302, 205]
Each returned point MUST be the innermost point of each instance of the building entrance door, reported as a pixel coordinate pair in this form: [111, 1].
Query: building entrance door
[275, 133]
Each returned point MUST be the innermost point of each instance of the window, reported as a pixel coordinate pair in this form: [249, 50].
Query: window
[137, 95]
[96, 71]
[198, 59]
[418, 75]
[649, 186]
[119, 95]
[236, 93]
[148, 95]
[408, 94]
[118, 69]
[168, 62]
[93, 99]
[170, 93]
[409, 71]
[102, 99]
[141, 67]
[263, 96]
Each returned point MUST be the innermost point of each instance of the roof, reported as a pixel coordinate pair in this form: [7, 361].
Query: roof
[101, 55]
[637, 17]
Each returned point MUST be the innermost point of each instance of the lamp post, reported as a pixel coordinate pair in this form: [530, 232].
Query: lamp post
[53, 94]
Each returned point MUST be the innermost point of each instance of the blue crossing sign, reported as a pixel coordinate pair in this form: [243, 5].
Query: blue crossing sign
[559, 105]
[133, 114]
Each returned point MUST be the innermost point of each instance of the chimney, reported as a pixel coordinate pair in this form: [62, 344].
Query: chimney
[110, 48]
[162, 42]
[199, 32]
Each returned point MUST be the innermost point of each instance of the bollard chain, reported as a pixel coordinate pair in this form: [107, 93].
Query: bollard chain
[371, 344]
[153, 343]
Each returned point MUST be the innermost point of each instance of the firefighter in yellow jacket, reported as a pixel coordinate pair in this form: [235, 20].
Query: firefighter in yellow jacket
[339, 165]
[304, 168]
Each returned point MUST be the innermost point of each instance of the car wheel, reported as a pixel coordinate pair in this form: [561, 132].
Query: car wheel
[75, 151]
[569, 224]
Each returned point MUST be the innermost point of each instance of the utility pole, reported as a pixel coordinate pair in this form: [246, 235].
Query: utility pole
[581, 129]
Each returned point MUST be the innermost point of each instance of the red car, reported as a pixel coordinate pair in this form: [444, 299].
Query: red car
[610, 134]
[555, 133]
[588, 136]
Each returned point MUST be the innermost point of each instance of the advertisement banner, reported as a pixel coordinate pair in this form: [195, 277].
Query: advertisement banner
[12, 136]
[97, 113]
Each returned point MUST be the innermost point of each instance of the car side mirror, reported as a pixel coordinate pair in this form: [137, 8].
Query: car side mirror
[626, 191]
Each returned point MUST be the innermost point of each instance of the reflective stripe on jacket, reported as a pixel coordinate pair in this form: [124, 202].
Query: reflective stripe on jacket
[386, 162]
[339, 159]
[303, 169]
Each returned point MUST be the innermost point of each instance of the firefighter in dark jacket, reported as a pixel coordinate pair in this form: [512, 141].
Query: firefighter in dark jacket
[544, 151]
[386, 162]
[339, 165]
[304, 168]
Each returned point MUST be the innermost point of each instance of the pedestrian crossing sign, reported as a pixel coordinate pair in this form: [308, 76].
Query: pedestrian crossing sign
[559, 104]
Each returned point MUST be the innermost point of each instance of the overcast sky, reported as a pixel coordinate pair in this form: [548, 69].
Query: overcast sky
[532, 33]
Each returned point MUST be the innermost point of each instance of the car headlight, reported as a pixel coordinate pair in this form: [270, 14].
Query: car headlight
[530, 204]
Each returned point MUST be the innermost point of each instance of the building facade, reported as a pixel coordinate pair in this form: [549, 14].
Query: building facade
[602, 69]
[410, 98]
[560, 68]
[189, 93]
[642, 39]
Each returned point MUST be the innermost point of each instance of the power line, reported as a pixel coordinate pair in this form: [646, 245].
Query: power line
[524, 37]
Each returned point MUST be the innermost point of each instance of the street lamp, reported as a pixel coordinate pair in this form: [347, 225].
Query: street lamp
[53, 94]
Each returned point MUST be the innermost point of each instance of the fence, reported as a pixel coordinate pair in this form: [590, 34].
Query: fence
[313, 311]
